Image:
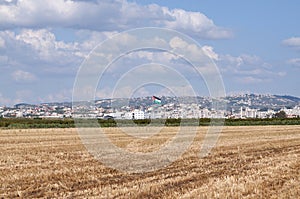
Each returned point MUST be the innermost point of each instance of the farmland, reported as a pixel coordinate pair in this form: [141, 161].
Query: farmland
[247, 162]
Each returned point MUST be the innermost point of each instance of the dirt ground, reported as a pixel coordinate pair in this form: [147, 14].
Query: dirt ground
[247, 162]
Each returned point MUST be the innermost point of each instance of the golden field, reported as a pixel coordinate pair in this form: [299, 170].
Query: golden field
[247, 162]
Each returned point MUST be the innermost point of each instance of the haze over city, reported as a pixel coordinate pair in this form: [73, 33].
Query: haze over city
[255, 44]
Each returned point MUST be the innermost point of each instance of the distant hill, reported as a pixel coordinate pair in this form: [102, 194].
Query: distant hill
[255, 101]
[292, 98]
[258, 101]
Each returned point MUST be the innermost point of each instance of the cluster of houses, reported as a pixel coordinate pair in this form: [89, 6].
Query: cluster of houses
[35, 111]
[154, 111]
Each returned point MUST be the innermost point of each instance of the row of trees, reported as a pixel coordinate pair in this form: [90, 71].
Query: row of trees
[70, 123]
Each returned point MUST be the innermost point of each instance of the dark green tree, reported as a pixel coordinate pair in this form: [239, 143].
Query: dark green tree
[280, 114]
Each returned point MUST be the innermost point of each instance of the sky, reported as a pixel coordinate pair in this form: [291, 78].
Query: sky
[45, 44]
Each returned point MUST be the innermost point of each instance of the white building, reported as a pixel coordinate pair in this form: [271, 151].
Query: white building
[118, 115]
[19, 114]
[250, 113]
[292, 113]
[138, 115]
[265, 114]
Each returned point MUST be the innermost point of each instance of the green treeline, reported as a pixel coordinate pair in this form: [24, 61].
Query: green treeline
[19, 123]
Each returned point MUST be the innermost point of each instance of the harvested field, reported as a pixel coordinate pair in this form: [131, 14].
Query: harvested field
[248, 162]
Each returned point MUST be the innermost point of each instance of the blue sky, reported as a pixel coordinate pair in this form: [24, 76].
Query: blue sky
[255, 44]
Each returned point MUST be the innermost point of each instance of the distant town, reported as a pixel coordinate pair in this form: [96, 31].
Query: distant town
[234, 106]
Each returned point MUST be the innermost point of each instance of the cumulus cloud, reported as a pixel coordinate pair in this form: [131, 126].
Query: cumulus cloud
[195, 22]
[33, 42]
[209, 51]
[105, 15]
[41, 41]
[177, 42]
[23, 76]
[196, 54]
[147, 64]
[40, 49]
[248, 69]
[45, 44]
[292, 42]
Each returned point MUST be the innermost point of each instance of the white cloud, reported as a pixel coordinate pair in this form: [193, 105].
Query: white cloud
[192, 51]
[248, 69]
[252, 80]
[32, 49]
[242, 62]
[292, 42]
[23, 76]
[64, 95]
[105, 15]
[41, 41]
[196, 22]
[92, 38]
[2, 43]
[294, 62]
[229, 61]
[295, 43]
[209, 51]
[44, 43]
[177, 42]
